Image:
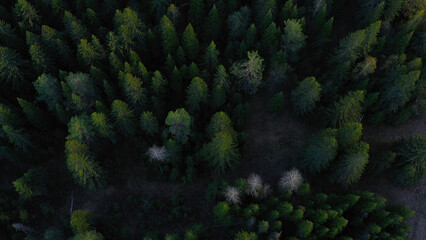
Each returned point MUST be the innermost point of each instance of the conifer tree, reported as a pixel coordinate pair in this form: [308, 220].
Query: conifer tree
[370, 11]
[173, 13]
[83, 89]
[221, 153]
[27, 14]
[220, 122]
[270, 38]
[179, 123]
[392, 8]
[196, 12]
[347, 110]
[276, 104]
[74, 28]
[169, 36]
[412, 163]
[135, 93]
[158, 83]
[11, 68]
[249, 72]
[349, 134]
[102, 125]
[31, 184]
[197, 93]
[238, 22]
[129, 28]
[7, 116]
[190, 42]
[221, 78]
[40, 60]
[81, 129]
[293, 39]
[318, 152]
[305, 96]
[124, 117]
[83, 167]
[250, 38]
[213, 24]
[149, 123]
[350, 168]
[211, 57]
[19, 139]
[289, 10]
[86, 51]
[159, 7]
[34, 114]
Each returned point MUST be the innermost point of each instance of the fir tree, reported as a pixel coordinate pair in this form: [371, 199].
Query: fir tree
[211, 57]
[196, 12]
[124, 117]
[305, 96]
[11, 66]
[221, 152]
[293, 39]
[169, 36]
[348, 109]
[32, 184]
[213, 24]
[149, 123]
[318, 152]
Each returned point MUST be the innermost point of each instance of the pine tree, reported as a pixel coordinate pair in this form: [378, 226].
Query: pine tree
[169, 36]
[19, 139]
[179, 123]
[39, 59]
[86, 51]
[197, 93]
[318, 152]
[149, 123]
[213, 24]
[350, 168]
[293, 39]
[220, 122]
[349, 134]
[305, 96]
[11, 66]
[129, 28]
[74, 28]
[190, 42]
[221, 153]
[102, 125]
[32, 184]
[124, 117]
[196, 12]
[347, 110]
[81, 164]
[211, 57]
[249, 72]
[412, 163]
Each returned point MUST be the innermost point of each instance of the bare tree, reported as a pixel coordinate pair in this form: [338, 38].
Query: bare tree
[157, 154]
[254, 185]
[232, 195]
[291, 180]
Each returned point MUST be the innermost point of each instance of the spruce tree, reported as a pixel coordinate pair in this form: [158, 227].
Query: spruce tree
[32, 183]
[221, 153]
[346, 110]
[305, 96]
[293, 39]
[318, 152]
[80, 128]
[196, 12]
[149, 123]
[16, 137]
[11, 68]
[213, 24]
[190, 42]
[211, 57]
[124, 117]
[197, 93]
[169, 36]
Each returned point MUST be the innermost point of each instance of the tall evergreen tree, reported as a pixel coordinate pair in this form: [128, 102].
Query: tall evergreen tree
[11, 66]
[169, 36]
[32, 184]
[48, 89]
[124, 117]
[196, 12]
[81, 129]
[238, 22]
[211, 57]
[149, 123]
[33, 113]
[190, 42]
[179, 123]
[197, 93]
[27, 14]
[221, 153]
[158, 84]
[305, 96]
[293, 39]
[213, 24]
[134, 92]
[102, 125]
[249, 72]
[348, 109]
[19, 139]
[319, 151]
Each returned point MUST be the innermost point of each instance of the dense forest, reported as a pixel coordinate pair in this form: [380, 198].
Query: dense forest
[127, 119]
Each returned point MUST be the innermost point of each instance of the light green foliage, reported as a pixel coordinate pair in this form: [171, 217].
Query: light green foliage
[197, 93]
[169, 36]
[349, 134]
[293, 39]
[249, 72]
[135, 93]
[80, 221]
[101, 124]
[211, 57]
[19, 139]
[81, 164]
[82, 86]
[87, 52]
[213, 24]
[179, 123]
[124, 117]
[350, 168]
[347, 110]
[190, 42]
[289, 10]
[81, 129]
[222, 152]
[306, 95]
[90, 235]
[276, 104]
[32, 184]
[318, 152]
[243, 235]
[10, 67]
[74, 28]
[238, 22]
[129, 27]
[149, 123]
[39, 59]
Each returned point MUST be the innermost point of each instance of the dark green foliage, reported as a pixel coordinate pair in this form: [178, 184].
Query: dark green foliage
[221, 153]
[196, 12]
[16, 137]
[347, 110]
[249, 72]
[124, 117]
[102, 125]
[81, 129]
[213, 24]
[305, 96]
[197, 93]
[190, 42]
[149, 123]
[318, 152]
[10, 67]
[179, 123]
[211, 57]
[168, 35]
[276, 104]
[349, 134]
[304, 228]
[32, 184]
[293, 39]
[238, 22]
[222, 213]
[80, 221]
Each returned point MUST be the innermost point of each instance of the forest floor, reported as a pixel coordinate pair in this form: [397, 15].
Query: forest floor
[273, 145]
